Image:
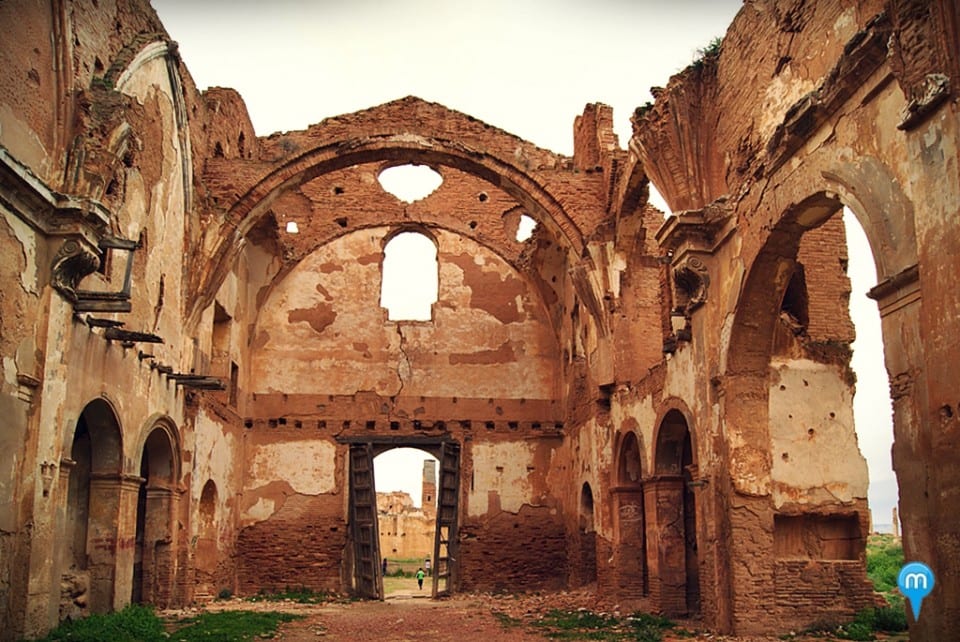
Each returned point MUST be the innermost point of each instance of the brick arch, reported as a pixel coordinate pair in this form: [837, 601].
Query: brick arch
[814, 192]
[629, 452]
[433, 150]
[155, 530]
[159, 439]
[673, 419]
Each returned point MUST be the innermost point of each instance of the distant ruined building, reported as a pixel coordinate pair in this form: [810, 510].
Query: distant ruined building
[192, 397]
[408, 532]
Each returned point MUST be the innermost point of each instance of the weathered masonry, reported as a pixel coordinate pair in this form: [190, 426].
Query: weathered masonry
[192, 396]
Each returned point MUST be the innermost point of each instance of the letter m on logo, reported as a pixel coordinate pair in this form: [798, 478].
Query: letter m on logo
[915, 581]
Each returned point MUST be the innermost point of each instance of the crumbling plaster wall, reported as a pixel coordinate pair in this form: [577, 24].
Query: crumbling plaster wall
[53, 363]
[332, 298]
[845, 128]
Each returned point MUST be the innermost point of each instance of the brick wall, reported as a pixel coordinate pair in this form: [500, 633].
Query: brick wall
[514, 552]
[300, 546]
[809, 591]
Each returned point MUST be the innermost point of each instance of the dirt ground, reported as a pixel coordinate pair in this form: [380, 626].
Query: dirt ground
[408, 614]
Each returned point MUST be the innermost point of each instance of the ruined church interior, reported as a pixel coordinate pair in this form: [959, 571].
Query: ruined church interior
[658, 408]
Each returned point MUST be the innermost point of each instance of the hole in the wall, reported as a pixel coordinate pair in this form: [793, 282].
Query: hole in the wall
[410, 182]
[525, 228]
[241, 143]
[218, 150]
[341, 221]
[473, 225]
[482, 197]
[795, 302]
[338, 190]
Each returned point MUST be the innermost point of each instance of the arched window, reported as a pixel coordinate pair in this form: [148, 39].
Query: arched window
[410, 277]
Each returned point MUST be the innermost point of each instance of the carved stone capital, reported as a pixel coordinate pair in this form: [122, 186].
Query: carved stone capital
[73, 261]
[690, 282]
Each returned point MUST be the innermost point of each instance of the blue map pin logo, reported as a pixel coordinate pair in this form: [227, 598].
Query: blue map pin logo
[915, 581]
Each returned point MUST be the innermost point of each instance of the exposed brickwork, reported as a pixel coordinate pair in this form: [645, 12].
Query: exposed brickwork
[300, 546]
[509, 551]
[678, 369]
[834, 589]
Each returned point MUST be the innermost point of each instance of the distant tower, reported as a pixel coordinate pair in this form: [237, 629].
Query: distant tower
[896, 523]
[429, 497]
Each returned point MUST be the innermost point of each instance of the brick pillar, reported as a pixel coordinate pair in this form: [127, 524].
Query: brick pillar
[667, 551]
[629, 559]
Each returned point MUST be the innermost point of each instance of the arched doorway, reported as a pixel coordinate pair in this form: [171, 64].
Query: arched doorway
[587, 536]
[93, 507]
[154, 554]
[206, 553]
[675, 564]
[630, 567]
[406, 515]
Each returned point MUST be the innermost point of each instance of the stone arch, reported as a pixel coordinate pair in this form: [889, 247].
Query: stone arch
[587, 537]
[433, 150]
[155, 540]
[629, 566]
[675, 564]
[94, 498]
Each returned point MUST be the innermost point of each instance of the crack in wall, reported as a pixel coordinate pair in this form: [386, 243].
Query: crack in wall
[404, 360]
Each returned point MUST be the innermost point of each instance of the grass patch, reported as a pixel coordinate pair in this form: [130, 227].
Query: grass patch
[140, 624]
[133, 624]
[586, 625]
[232, 626]
[300, 595]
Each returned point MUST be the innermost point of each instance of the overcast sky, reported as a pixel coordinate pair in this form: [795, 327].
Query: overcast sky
[525, 66]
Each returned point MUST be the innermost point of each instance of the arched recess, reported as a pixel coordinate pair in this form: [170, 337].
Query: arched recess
[629, 554]
[154, 566]
[256, 202]
[587, 563]
[756, 337]
[93, 506]
[674, 564]
[125, 69]
[206, 554]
